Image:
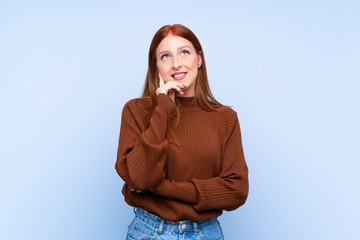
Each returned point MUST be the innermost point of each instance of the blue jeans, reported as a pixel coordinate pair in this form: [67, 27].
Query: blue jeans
[149, 226]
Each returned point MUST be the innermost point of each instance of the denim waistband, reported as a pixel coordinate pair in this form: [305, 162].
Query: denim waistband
[162, 224]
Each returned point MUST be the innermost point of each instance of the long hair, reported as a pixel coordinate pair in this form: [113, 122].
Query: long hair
[203, 95]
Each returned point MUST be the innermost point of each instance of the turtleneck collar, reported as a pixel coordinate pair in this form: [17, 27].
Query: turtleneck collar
[188, 103]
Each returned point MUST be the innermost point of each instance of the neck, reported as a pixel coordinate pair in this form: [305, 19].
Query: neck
[188, 103]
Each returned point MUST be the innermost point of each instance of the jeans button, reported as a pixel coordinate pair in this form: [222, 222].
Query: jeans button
[183, 226]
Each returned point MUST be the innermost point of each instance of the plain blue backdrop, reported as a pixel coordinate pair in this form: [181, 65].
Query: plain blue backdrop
[289, 68]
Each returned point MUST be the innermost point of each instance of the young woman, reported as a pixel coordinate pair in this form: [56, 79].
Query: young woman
[180, 151]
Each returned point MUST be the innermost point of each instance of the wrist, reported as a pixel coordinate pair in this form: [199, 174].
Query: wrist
[165, 102]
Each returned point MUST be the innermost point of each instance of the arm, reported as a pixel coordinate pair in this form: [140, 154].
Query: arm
[140, 159]
[227, 191]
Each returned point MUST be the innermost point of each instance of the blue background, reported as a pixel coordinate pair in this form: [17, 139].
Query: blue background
[289, 68]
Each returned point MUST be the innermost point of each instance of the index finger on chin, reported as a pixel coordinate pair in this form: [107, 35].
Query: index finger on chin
[161, 81]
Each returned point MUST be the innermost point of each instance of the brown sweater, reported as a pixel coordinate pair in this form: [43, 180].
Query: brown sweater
[194, 181]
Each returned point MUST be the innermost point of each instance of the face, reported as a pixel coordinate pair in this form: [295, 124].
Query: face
[177, 60]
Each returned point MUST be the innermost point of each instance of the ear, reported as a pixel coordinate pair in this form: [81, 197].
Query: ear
[199, 60]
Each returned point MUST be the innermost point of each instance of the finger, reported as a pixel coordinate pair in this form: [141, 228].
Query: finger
[161, 81]
[182, 92]
[174, 87]
[179, 90]
[180, 85]
[176, 84]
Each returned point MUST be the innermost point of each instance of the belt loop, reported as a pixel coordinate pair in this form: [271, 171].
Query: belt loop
[195, 226]
[160, 229]
[134, 210]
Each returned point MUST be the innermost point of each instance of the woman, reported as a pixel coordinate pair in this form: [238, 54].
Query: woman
[180, 151]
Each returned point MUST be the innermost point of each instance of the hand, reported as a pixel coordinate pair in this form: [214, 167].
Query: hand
[131, 189]
[170, 88]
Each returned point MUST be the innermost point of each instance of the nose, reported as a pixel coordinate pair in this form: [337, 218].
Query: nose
[176, 63]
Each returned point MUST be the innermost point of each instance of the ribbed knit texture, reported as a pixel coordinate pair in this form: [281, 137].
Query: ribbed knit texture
[195, 181]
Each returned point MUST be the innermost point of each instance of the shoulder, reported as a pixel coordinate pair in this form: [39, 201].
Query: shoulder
[138, 106]
[226, 114]
[226, 111]
[138, 102]
[226, 119]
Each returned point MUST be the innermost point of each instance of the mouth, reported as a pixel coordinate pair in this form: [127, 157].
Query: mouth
[179, 75]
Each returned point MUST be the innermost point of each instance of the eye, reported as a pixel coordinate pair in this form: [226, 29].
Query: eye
[185, 52]
[165, 55]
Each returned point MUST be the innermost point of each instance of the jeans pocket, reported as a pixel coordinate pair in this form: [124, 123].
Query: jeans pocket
[138, 231]
[211, 232]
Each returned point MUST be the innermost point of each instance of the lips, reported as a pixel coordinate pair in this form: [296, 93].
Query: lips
[179, 75]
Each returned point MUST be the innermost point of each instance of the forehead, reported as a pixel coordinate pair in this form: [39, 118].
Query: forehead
[172, 43]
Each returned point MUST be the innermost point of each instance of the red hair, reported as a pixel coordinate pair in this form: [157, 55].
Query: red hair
[203, 95]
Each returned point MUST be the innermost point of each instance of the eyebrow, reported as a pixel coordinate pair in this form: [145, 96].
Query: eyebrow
[177, 49]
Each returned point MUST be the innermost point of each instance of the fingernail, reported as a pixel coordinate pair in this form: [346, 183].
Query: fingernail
[157, 73]
[183, 92]
[184, 85]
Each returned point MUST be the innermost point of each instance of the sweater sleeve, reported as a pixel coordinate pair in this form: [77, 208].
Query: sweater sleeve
[183, 191]
[227, 191]
[230, 189]
[140, 157]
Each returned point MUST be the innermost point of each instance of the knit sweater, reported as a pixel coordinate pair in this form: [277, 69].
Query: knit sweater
[196, 180]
